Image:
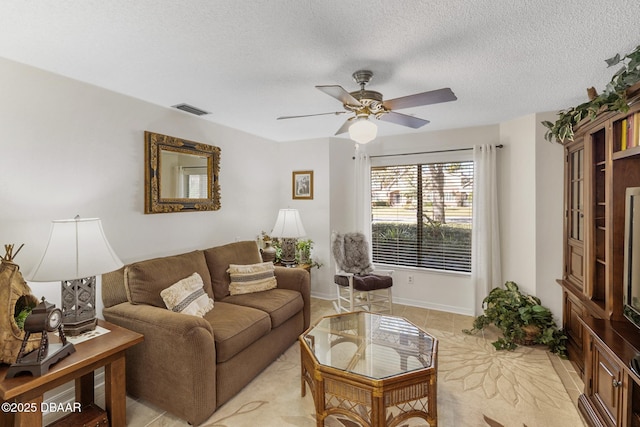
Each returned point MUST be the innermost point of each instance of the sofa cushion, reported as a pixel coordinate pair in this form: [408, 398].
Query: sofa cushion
[235, 327]
[220, 257]
[246, 279]
[113, 289]
[366, 283]
[187, 296]
[280, 304]
[145, 280]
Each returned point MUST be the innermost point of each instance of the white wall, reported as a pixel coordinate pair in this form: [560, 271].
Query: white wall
[300, 156]
[530, 190]
[549, 217]
[441, 291]
[70, 148]
[343, 214]
[517, 191]
[531, 219]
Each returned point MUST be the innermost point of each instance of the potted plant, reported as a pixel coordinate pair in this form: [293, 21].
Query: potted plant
[522, 320]
[303, 253]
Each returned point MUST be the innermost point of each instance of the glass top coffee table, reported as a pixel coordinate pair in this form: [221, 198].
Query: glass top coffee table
[375, 370]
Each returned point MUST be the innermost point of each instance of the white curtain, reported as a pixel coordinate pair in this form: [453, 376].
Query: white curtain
[362, 182]
[485, 264]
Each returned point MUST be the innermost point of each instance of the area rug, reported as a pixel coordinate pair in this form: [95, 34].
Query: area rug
[477, 386]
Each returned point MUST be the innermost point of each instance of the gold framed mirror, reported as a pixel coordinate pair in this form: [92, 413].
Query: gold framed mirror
[180, 175]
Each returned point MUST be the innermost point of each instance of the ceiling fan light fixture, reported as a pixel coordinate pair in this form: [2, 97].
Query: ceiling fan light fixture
[363, 130]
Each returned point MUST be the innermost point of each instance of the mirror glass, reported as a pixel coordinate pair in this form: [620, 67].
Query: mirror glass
[180, 175]
[183, 176]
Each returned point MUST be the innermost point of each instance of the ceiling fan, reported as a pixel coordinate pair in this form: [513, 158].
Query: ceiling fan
[364, 103]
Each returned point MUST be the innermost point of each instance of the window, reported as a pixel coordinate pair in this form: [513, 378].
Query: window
[195, 182]
[421, 215]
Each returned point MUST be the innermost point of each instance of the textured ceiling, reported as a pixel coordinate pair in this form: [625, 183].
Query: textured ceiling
[248, 62]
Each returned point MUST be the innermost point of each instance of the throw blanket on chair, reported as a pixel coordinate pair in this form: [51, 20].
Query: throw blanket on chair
[351, 252]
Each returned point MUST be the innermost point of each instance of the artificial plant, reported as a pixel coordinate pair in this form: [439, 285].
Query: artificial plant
[522, 320]
[303, 252]
[613, 98]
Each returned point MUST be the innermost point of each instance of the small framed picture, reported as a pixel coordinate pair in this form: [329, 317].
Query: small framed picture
[302, 185]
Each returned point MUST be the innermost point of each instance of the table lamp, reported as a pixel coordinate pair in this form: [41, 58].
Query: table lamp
[289, 227]
[77, 251]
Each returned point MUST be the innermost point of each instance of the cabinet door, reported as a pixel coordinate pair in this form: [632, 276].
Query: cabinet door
[606, 385]
[573, 310]
[574, 253]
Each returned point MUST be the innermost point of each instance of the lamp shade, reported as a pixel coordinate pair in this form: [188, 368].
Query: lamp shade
[363, 131]
[288, 224]
[77, 248]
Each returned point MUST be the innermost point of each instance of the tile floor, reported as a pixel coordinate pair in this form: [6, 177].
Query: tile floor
[142, 414]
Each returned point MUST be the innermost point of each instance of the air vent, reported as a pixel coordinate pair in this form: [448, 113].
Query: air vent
[191, 109]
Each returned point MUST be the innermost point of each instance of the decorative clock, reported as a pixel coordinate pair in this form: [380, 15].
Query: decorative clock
[44, 318]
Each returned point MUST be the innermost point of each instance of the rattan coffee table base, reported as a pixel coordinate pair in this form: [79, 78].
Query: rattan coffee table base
[388, 402]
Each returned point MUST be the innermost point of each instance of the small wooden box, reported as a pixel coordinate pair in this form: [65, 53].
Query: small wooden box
[90, 416]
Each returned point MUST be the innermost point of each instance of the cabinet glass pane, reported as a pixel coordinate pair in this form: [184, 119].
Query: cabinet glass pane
[577, 226]
[577, 169]
[576, 196]
[580, 207]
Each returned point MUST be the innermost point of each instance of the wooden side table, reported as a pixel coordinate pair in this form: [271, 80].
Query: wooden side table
[306, 267]
[26, 392]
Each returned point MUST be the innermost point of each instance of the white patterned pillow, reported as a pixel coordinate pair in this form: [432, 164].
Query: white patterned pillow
[246, 279]
[188, 296]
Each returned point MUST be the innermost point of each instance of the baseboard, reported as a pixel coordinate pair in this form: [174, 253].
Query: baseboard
[589, 413]
[328, 297]
[431, 306]
[411, 303]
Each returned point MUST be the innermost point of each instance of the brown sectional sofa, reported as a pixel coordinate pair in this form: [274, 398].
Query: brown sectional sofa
[188, 365]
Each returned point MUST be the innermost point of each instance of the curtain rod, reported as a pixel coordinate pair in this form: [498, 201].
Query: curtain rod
[429, 152]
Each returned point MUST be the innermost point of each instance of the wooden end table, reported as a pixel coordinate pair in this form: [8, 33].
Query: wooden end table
[108, 350]
[378, 370]
[306, 267]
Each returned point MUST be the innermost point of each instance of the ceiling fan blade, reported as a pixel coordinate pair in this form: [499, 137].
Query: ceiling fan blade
[403, 119]
[345, 126]
[310, 115]
[340, 94]
[418, 99]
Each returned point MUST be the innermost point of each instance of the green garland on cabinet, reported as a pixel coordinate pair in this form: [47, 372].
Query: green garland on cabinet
[613, 98]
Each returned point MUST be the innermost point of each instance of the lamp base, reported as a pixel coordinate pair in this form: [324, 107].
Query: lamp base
[288, 258]
[78, 328]
[79, 305]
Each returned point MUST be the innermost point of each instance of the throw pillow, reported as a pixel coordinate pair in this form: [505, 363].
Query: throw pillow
[188, 296]
[220, 257]
[246, 279]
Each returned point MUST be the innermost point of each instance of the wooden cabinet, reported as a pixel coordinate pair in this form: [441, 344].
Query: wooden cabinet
[606, 383]
[599, 166]
[612, 390]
